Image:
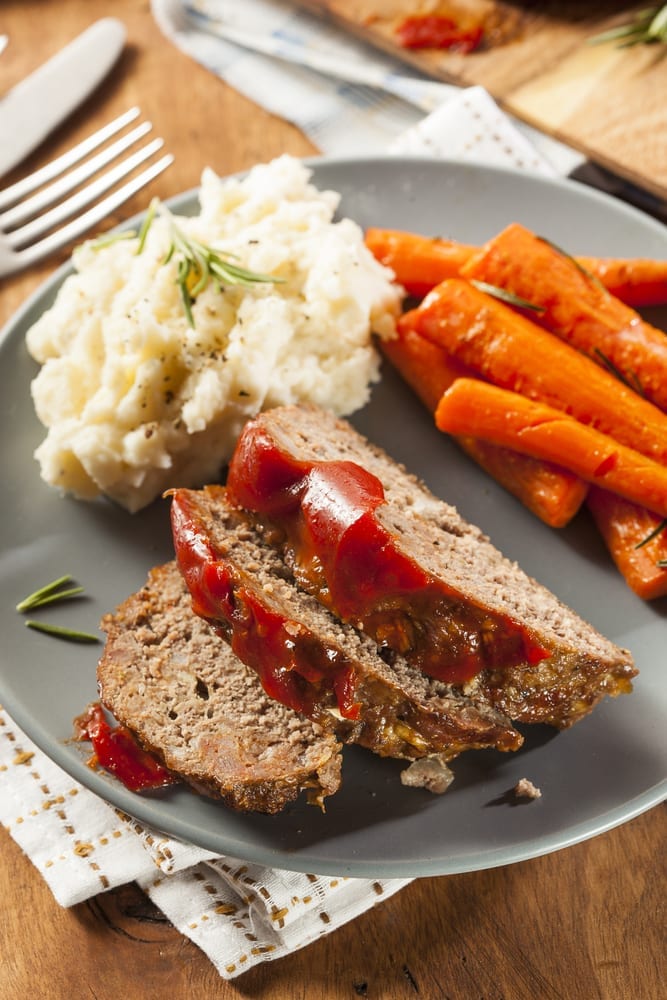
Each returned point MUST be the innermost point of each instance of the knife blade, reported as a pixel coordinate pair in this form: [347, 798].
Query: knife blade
[36, 105]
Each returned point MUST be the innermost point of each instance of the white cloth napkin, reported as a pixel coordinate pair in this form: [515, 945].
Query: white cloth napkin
[241, 914]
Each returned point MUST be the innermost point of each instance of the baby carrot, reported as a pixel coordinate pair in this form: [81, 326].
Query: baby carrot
[421, 262]
[576, 307]
[511, 351]
[507, 418]
[637, 281]
[426, 367]
[636, 539]
[553, 494]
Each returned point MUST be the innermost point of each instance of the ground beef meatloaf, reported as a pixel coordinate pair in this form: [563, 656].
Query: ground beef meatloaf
[305, 656]
[188, 699]
[375, 546]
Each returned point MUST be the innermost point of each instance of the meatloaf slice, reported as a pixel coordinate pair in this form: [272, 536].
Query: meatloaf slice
[305, 656]
[405, 567]
[179, 688]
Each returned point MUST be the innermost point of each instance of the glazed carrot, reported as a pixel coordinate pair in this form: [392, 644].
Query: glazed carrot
[637, 281]
[508, 349]
[421, 262]
[507, 418]
[575, 307]
[426, 367]
[636, 539]
[553, 494]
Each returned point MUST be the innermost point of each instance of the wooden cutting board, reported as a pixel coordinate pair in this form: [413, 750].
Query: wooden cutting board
[607, 101]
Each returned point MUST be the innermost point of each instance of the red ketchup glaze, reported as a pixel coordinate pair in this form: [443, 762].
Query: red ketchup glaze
[292, 672]
[117, 751]
[353, 564]
[432, 31]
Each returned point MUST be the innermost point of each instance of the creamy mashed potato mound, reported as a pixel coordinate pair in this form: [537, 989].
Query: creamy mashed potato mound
[136, 400]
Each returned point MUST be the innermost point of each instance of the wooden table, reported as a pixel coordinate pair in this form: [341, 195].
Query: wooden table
[584, 922]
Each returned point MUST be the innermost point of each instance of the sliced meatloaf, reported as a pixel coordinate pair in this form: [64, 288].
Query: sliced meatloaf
[179, 688]
[308, 659]
[381, 551]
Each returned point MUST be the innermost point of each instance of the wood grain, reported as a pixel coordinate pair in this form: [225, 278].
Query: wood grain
[585, 923]
[606, 101]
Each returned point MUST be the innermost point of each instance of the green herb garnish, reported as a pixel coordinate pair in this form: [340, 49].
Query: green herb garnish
[649, 26]
[506, 296]
[61, 632]
[631, 380]
[57, 590]
[48, 594]
[653, 534]
[198, 264]
[577, 263]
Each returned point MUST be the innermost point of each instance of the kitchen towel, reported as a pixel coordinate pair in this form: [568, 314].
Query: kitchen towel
[241, 914]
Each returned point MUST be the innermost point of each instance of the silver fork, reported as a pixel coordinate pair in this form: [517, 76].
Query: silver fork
[25, 212]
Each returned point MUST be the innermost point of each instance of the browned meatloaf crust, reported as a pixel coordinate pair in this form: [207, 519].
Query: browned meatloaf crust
[308, 657]
[179, 688]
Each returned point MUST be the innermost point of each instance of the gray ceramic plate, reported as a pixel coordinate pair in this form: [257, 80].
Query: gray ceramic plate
[602, 772]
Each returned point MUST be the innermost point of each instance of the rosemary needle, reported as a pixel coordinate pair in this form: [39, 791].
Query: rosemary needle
[61, 632]
[653, 534]
[48, 593]
[506, 296]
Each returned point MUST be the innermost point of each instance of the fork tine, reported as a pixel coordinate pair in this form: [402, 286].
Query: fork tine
[46, 173]
[93, 216]
[31, 206]
[67, 208]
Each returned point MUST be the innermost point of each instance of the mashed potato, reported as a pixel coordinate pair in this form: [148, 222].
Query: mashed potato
[136, 400]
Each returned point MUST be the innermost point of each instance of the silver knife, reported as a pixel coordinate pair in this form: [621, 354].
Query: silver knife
[36, 105]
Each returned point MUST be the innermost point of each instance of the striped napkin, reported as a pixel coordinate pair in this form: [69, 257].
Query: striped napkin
[240, 914]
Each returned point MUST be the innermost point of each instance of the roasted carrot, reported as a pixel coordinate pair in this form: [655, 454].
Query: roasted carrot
[426, 367]
[636, 539]
[507, 418]
[421, 262]
[508, 349]
[553, 494]
[637, 281]
[576, 307]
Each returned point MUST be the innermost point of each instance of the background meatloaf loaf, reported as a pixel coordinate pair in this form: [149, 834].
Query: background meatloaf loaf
[166, 676]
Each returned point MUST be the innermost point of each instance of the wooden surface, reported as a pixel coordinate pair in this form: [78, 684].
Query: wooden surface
[583, 923]
[606, 101]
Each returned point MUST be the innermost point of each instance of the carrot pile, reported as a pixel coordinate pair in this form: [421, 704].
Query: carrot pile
[540, 367]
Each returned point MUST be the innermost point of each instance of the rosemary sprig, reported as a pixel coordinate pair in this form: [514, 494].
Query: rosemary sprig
[649, 26]
[199, 265]
[61, 632]
[507, 296]
[49, 593]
